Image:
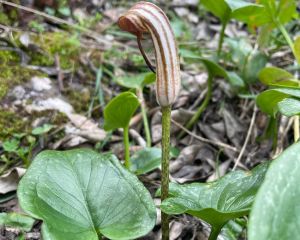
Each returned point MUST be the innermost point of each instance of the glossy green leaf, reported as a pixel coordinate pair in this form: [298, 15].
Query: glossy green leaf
[119, 110]
[255, 62]
[273, 76]
[136, 81]
[275, 11]
[146, 160]
[16, 220]
[226, 9]
[235, 80]
[297, 49]
[216, 202]
[217, 7]
[276, 214]
[289, 107]
[80, 193]
[248, 60]
[268, 101]
[213, 68]
[292, 91]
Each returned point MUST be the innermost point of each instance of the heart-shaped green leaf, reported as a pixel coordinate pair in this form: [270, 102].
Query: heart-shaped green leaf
[216, 202]
[136, 81]
[226, 9]
[274, 12]
[276, 214]
[80, 194]
[268, 101]
[119, 111]
[289, 107]
[273, 76]
[16, 220]
[145, 160]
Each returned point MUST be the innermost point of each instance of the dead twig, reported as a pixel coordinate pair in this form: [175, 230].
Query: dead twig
[89, 32]
[237, 161]
[216, 143]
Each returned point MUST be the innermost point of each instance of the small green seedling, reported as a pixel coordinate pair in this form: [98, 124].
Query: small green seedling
[216, 202]
[138, 82]
[275, 214]
[117, 114]
[80, 194]
[226, 10]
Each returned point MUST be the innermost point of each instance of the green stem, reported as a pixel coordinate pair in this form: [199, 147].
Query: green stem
[291, 45]
[287, 37]
[166, 123]
[221, 38]
[126, 147]
[145, 118]
[204, 103]
[215, 231]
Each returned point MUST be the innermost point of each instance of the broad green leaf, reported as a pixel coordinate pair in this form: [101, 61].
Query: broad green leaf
[119, 111]
[248, 60]
[273, 76]
[79, 193]
[292, 91]
[217, 7]
[255, 62]
[226, 9]
[240, 49]
[297, 49]
[145, 160]
[136, 81]
[268, 101]
[42, 130]
[216, 202]
[235, 80]
[289, 107]
[275, 11]
[213, 68]
[276, 214]
[16, 220]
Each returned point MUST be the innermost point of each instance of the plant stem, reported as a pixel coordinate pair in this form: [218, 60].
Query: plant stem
[287, 37]
[291, 45]
[215, 231]
[204, 103]
[221, 38]
[126, 147]
[145, 118]
[166, 124]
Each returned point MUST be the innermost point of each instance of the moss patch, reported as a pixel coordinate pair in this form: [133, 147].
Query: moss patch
[66, 46]
[79, 99]
[11, 123]
[11, 73]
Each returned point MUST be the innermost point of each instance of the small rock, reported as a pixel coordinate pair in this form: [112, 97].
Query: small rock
[41, 84]
[18, 92]
[51, 104]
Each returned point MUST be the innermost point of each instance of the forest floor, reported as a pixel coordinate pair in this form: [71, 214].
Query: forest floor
[56, 79]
